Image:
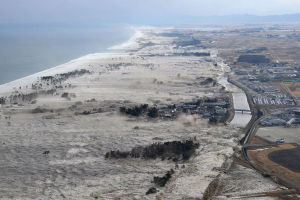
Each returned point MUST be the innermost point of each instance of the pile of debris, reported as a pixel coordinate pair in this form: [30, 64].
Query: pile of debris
[217, 110]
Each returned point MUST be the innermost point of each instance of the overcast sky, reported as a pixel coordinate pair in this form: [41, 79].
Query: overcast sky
[128, 11]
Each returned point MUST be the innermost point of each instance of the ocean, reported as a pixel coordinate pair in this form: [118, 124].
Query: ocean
[28, 49]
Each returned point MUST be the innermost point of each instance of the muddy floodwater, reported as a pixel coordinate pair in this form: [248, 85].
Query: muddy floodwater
[53, 145]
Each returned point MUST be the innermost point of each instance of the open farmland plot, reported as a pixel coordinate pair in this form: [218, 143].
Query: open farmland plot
[289, 158]
[288, 173]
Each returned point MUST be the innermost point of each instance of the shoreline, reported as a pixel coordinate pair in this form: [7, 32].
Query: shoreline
[70, 65]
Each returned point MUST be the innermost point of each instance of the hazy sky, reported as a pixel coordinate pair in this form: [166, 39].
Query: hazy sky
[128, 11]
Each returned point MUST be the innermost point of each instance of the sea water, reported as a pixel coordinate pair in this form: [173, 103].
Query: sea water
[28, 49]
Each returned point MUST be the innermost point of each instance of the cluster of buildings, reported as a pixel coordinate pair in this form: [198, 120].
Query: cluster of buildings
[273, 99]
[263, 93]
[217, 109]
[289, 117]
[280, 71]
[259, 78]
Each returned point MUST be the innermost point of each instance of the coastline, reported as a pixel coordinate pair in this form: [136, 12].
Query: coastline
[79, 130]
[69, 66]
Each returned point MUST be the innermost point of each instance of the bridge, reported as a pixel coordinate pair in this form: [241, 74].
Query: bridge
[242, 111]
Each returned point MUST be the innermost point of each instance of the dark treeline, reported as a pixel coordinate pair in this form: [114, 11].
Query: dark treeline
[152, 190]
[19, 98]
[137, 111]
[175, 150]
[197, 54]
[65, 76]
[253, 59]
[184, 43]
[2, 100]
[161, 181]
[209, 81]
[57, 79]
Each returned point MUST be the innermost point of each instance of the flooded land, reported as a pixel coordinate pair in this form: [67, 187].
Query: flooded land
[158, 120]
[58, 125]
